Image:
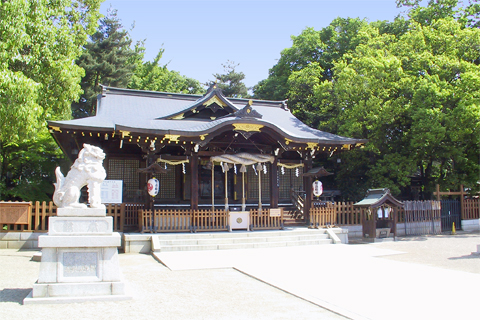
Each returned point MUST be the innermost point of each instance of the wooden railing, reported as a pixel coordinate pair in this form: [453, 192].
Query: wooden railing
[347, 214]
[202, 220]
[323, 215]
[471, 209]
[261, 220]
[40, 212]
[182, 220]
[298, 199]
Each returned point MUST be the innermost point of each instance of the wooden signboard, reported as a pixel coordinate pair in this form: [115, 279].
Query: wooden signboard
[14, 212]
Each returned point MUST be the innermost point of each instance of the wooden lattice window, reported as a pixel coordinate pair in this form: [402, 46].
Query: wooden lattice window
[167, 183]
[252, 184]
[288, 181]
[126, 170]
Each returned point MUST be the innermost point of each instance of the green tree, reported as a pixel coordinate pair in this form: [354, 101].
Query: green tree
[38, 81]
[231, 82]
[414, 96]
[151, 76]
[322, 47]
[105, 60]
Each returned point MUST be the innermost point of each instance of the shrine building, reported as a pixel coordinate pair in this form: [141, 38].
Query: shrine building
[209, 152]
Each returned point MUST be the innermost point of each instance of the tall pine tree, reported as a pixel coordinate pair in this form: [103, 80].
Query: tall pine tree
[231, 82]
[105, 61]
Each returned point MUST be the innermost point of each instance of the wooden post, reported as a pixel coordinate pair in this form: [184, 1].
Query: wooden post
[259, 191]
[213, 186]
[307, 185]
[226, 190]
[274, 187]
[244, 206]
[194, 181]
[462, 204]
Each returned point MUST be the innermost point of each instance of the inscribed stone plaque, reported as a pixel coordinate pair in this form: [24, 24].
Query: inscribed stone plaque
[80, 264]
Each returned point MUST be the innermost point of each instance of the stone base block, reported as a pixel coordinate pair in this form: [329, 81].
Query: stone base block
[81, 212]
[113, 240]
[73, 299]
[76, 226]
[78, 289]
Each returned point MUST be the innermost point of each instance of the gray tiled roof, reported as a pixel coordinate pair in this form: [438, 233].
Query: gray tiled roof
[123, 109]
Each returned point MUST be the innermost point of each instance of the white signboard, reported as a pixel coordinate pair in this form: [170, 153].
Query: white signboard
[275, 212]
[112, 191]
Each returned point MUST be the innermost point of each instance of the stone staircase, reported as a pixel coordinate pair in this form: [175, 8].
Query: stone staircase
[245, 239]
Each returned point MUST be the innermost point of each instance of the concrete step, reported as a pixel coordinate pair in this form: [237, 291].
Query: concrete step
[239, 240]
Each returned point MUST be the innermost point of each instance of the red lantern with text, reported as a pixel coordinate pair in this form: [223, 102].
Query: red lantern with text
[317, 188]
[153, 186]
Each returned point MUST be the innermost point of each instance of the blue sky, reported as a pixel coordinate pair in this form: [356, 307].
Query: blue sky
[199, 36]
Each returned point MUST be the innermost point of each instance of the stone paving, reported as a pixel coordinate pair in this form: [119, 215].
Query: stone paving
[433, 277]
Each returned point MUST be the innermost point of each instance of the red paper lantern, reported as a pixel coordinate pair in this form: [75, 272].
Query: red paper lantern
[153, 186]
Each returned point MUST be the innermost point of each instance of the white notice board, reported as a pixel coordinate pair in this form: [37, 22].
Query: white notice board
[112, 191]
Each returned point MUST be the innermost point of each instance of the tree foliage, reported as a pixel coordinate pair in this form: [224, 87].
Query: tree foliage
[231, 81]
[154, 77]
[38, 81]
[106, 59]
[412, 87]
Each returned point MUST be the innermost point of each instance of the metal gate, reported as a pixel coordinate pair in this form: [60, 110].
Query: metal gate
[422, 217]
[450, 214]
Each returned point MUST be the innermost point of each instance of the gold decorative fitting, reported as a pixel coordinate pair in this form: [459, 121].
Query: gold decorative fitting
[250, 102]
[287, 141]
[248, 127]
[216, 100]
[178, 117]
[311, 145]
[202, 137]
[172, 137]
[56, 128]
[124, 133]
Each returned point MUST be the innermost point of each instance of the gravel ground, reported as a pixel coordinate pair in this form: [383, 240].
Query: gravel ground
[159, 293]
[444, 251]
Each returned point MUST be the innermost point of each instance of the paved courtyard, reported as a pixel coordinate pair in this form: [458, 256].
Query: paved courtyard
[434, 277]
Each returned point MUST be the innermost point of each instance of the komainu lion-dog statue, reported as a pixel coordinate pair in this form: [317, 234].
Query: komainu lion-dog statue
[87, 170]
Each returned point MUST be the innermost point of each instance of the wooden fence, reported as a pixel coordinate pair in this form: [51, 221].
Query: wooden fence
[261, 220]
[323, 215]
[40, 212]
[471, 209]
[183, 220]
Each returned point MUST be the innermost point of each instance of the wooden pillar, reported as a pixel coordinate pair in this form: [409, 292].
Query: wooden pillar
[194, 181]
[259, 191]
[274, 187]
[244, 206]
[213, 186]
[226, 189]
[462, 204]
[307, 186]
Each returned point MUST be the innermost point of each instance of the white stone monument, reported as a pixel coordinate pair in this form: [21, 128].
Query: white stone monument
[79, 254]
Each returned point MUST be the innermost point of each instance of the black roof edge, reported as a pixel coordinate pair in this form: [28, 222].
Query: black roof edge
[144, 93]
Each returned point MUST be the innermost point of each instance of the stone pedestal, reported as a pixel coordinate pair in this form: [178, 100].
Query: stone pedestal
[79, 259]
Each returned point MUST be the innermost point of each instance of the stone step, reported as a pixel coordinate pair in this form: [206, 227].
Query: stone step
[228, 246]
[228, 240]
[240, 240]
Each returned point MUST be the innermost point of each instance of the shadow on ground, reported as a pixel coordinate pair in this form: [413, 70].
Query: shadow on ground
[14, 295]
